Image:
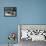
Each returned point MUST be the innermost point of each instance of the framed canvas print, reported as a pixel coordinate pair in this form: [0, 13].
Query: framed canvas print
[10, 11]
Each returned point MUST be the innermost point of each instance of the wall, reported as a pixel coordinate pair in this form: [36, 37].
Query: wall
[28, 12]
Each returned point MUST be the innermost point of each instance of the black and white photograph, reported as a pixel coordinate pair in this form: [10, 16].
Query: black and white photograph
[10, 11]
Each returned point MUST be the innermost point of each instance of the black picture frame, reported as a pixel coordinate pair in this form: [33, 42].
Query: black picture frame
[10, 11]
